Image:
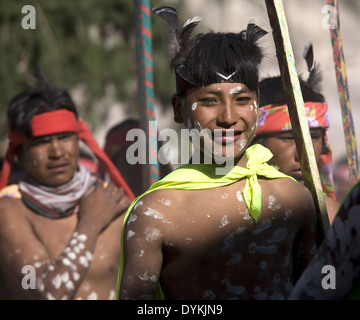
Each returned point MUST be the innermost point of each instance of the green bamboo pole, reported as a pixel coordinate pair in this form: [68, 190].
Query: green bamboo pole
[295, 102]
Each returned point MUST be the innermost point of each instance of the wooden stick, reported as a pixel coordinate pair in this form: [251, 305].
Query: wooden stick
[295, 102]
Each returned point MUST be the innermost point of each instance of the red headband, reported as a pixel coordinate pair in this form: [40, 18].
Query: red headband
[58, 121]
[275, 118]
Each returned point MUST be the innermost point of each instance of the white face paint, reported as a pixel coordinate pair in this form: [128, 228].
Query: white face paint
[194, 106]
[235, 90]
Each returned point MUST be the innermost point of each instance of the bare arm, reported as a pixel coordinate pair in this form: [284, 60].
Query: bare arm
[59, 277]
[142, 250]
[305, 241]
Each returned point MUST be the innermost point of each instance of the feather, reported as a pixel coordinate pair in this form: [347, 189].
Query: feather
[309, 55]
[254, 33]
[315, 76]
[171, 31]
[188, 28]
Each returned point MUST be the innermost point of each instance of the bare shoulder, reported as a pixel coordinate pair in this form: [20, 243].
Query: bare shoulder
[12, 211]
[291, 195]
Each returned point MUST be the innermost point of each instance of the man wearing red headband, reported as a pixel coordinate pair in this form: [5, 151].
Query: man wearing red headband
[275, 132]
[59, 225]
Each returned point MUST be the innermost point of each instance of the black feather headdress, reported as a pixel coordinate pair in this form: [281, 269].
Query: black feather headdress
[211, 57]
[271, 88]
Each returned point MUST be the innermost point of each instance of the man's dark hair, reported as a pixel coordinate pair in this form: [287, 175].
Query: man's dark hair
[271, 88]
[24, 106]
[212, 57]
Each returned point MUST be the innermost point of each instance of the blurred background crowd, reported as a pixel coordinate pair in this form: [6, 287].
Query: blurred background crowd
[88, 47]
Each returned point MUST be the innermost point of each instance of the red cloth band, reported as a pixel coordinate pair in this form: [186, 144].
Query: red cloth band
[54, 122]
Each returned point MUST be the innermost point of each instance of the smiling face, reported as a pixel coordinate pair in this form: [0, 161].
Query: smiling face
[225, 115]
[283, 147]
[51, 160]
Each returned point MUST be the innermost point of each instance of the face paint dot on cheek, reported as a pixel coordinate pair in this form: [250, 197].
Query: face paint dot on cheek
[194, 106]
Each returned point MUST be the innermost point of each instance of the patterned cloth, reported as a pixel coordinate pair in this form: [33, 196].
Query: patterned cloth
[275, 118]
[203, 176]
[52, 202]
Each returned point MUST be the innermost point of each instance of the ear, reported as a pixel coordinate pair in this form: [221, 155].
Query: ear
[176, 102]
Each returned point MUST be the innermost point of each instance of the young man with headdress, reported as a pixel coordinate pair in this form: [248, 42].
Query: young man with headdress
[209, 230]
[275, 132]
[59, 224]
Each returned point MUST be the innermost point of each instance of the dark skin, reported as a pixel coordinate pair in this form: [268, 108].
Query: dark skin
[203, 244]
[74, 257]
[283, 147]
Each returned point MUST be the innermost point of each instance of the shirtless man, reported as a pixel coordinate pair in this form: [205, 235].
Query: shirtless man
[58, 226]
[199, 234]
[275, 132]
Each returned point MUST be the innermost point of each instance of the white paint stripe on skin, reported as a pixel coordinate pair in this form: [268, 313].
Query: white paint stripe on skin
[69, 285]
[83, 261]
[138, 204]
[224, 221]
[88, 255]
[92, 296]
[65, 277]
[76, 276]
[224, 196]
[235, 90]
[56, 281]
[82, 237]
[194, 106]
[239, 196]
[154, 213]
[165, 202]
[152, 234]
[130, 234]
[40, 284]
[272, 204]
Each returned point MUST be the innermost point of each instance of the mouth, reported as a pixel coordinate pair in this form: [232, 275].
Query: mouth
[58, 167]
[297, 175]
[226, 136]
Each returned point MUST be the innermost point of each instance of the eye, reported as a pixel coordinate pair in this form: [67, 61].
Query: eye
[286, 138]
[41, 140]
[208, 101]
[65, 135]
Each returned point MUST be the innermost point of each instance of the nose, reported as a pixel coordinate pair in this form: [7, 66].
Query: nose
[55, 148]
[227, 116]
[296, 155]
